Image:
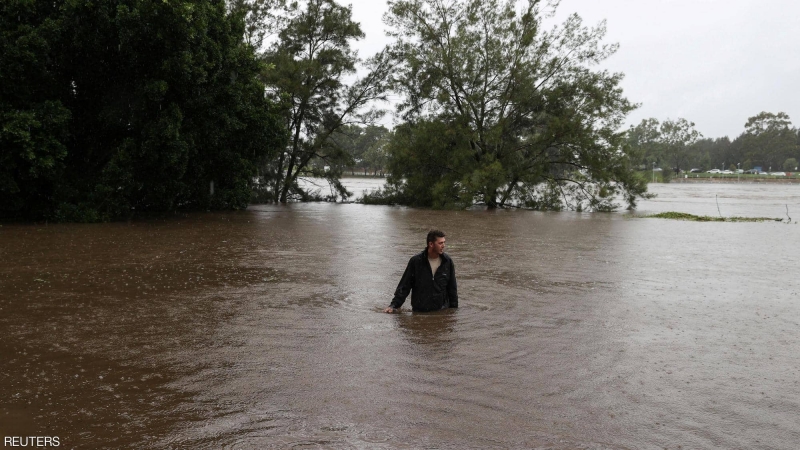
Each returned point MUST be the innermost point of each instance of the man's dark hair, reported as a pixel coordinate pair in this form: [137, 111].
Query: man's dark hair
[433, 235]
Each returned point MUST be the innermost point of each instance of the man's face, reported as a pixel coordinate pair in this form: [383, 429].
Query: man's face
[437, 246]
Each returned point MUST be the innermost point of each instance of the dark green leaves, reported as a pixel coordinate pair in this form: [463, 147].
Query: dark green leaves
[530, 114]
[311, 60]
[116, 107]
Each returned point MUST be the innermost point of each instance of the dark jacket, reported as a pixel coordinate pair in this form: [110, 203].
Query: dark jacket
[428, 293]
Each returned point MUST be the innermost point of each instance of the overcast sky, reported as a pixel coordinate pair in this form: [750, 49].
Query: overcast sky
[713, 62]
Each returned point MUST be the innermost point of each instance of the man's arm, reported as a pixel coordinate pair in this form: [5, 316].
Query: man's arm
[403, 288]
[452, 288]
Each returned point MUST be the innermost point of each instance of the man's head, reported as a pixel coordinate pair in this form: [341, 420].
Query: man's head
[435, 242]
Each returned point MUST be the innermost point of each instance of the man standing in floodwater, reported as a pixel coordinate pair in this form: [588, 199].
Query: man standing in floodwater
[430, 277]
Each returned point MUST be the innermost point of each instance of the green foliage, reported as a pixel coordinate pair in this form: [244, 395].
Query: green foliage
[644, 145]
[33, 121]
[311, 59]
[660, 176]
[768, 141]
[790, 165]
[366, 146]
[130, 106]
[424, 162]
[547, 199]
[261, 19]
[704, 158]
[518, 109]
[664, 144]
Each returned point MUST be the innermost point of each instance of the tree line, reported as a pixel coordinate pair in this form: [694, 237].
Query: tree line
[115, 107]
[769, 141]
[108, 108]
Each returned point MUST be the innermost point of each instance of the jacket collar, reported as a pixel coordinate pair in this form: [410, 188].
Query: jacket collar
[424, 254]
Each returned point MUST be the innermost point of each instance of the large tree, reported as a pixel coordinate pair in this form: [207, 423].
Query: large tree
[665, 143]
[34, 122]
[645, 144]
[263, 19]
[769, 140]
[526, 105]
[132, 105]
[708, 153]
[312, 60]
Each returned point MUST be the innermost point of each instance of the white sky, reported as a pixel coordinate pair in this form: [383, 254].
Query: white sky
[713, 62]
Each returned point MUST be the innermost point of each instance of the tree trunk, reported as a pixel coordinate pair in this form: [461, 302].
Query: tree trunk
[507, 193]
[286, 181]
[491, 199]
[278, 174]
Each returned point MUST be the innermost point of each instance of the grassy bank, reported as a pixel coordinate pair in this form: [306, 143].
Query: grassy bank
[654, 177]
[693, 218]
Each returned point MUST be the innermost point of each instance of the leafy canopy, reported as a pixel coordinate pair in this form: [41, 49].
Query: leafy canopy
[663, 144]
[111, 107]
[312, 59]
[509, 112]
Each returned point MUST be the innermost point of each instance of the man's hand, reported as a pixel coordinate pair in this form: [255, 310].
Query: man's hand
[389, 310]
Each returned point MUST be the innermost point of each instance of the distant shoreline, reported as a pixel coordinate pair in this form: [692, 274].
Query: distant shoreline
[347, 175]
[733, 180]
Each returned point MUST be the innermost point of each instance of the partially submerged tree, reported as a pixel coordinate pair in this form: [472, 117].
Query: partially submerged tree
[311, 60]
[525, 117]
[422, 155]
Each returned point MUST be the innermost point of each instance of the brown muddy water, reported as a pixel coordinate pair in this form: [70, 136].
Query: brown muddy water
[263, 329]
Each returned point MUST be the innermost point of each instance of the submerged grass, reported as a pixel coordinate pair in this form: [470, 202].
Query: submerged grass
[691, 217]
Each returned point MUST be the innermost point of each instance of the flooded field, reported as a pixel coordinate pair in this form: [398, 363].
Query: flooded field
[263, 329]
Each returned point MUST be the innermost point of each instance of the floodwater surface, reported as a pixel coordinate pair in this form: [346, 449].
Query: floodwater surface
[263, 329]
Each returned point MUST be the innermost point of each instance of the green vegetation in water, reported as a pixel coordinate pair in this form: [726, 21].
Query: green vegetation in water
[686, 216]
